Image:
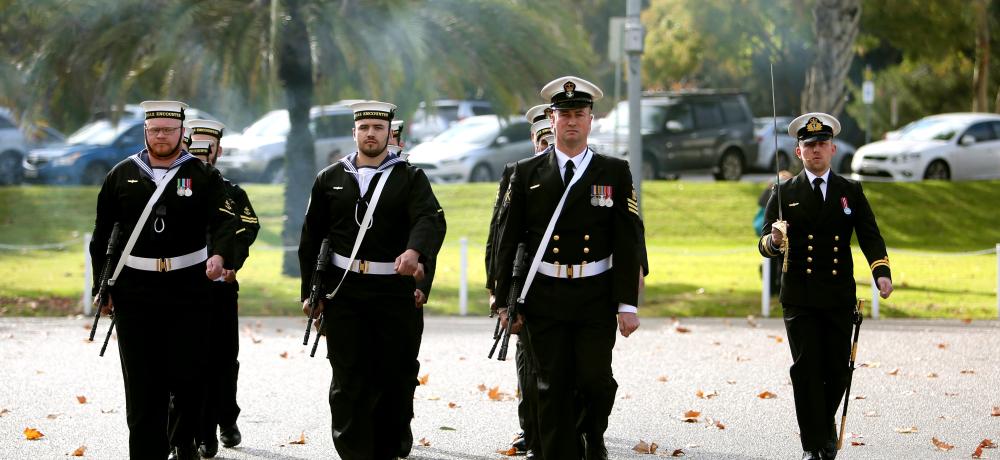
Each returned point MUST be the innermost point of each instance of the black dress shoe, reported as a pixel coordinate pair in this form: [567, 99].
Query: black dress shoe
[187, 452]
[520, 444]
[596, 449]
[173, 454]
[209, 447]
[829, 451]
[811, 455]
[230, 436]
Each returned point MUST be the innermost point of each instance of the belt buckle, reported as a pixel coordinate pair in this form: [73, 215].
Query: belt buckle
[163, 265]
[362, 266]
[569, 272]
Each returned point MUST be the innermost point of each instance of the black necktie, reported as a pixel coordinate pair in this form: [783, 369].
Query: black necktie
[569, 173]
[818, 192]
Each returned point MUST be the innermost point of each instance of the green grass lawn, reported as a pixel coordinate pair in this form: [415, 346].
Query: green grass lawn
[701, 247]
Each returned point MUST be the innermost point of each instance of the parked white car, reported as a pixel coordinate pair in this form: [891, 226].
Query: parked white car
[764, 129]
[258, 153]
[474, 149]
[952, 146]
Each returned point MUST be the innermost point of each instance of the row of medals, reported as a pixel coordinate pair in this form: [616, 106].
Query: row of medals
[605, 201]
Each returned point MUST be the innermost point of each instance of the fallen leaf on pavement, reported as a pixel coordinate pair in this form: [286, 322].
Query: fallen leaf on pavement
[681, 329]
[81, 399]
[423, 442]
[767, 395]
[703, 395]
[424, 379]
[893, 372]
[942, 345]
[79, 451]
[677, 453]
[481, 387]
[452, 405]
[691, 416]
[720, 425]
[302, 439]
[446, 428]
[988, 444]
[968, 371]
[644, 448]
[284, 355]
[860, 397]
[433, 398]
[662, 378]
[857, 443]
[996, 411]
[941, 445]
[741, 359]
[510, 452]
[909, 430]
[949, 393]
[751, 321]
[932, 375]
[32, 434]
[777, 338]
[3, 412]
[109, 411]
[871, 364]
[966, 320]
[52, 416]
[731, 382]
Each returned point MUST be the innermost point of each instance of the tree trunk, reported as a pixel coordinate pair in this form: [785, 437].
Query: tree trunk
[981, 74]
[836, 25]
[295, 72]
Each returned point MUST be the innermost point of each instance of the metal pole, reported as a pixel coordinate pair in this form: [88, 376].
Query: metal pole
[634, 36]
[463, 277]
[765, 289]
[875, 299]
[618, 98]
[87, 274]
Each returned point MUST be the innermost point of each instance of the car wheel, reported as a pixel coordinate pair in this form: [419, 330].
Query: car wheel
[937, 170]
[845, 164]
[275, 173]
[10, 169]
[650, 171]
[481, 173]
[94, 174]
[730, 166]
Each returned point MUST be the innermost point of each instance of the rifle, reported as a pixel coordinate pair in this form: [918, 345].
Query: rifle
[513, 299]
[102, 292]
[858, 318]
[316, 286]
[496, 337]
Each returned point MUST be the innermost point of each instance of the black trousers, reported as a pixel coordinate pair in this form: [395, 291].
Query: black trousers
[527, 407]
[573, 377]
[161, 336]
[405, 434]
[221, 408]
[370, 340]
[820, 341]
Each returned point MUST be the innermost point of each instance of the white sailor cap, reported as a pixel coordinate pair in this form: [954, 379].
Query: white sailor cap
[550, 137]
[814, 126]
[538, 112]
[164, 109]
[373, 109]
[396, 127]
[571, 92]
[210, 127]
[200, 148]
[541, 128]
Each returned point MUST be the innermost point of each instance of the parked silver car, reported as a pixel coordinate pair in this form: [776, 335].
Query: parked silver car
[474, 150]
[13, 148]
[764, 129]
[258, 153]
[429, 121]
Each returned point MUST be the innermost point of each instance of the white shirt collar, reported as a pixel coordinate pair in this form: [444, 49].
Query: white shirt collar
[812, 177]
[562, 158]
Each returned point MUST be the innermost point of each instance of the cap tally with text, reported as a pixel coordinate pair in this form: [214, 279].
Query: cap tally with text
[200, 148]
[164, 109]
[207, 127]
[813, 127]
[537, 113]
[373, 110]
[541, 128]
[396, 127]
[571, 93]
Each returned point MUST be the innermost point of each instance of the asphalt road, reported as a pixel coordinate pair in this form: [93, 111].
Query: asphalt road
[937, 378]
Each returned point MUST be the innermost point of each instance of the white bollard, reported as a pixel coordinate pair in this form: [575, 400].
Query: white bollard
[765, 289]
[87, 274]
[875, 299]
[463, 277]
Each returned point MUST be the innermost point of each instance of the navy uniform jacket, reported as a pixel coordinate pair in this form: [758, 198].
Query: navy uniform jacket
[407, 216]
[820, 267]
[249, 225]
[583, 232]
[187, 222]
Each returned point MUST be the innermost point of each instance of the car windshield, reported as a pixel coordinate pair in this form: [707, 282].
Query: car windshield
[932, 129]
[275, 123]
[653, 118]
[100, 132]
[476, 131]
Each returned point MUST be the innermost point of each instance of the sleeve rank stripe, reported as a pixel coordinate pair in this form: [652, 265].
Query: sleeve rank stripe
[765, 243]
[240, 231]
[882, 261]
[227, 211]
[879, 264]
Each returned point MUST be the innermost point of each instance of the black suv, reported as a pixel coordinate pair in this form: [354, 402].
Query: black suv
[685, 131]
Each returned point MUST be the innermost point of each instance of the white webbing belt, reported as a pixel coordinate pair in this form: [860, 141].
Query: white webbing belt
[364, 226]
[575, 270]
[363, 266]
[167, 264]
[537, 259]
[139, 224]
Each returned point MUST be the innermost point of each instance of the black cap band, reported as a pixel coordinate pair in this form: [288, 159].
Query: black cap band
[375, 114]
